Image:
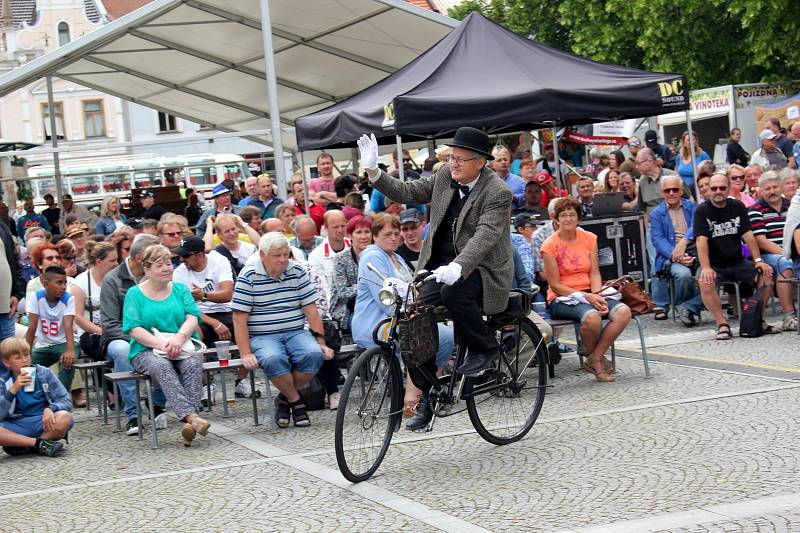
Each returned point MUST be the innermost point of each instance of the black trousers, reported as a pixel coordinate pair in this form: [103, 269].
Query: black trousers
[210, 336]
[464, 302]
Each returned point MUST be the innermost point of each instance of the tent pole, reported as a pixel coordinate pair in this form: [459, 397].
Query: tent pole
[559, 178]
[54, 139]
[272, 95]
[401, 171]
[305, 182]
[692, 150]
[354, 159]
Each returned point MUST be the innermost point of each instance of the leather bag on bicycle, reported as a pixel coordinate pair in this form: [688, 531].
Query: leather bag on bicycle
[419, 336]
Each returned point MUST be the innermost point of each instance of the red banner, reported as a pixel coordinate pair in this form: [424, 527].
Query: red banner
[580, 138]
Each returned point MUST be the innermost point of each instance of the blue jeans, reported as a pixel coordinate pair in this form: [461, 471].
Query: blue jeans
[117, 352]
[279, 354]
[779, 264]
[6, 326]
[686, 293]
[580, 312]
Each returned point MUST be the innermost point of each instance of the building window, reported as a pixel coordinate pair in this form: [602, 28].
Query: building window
[63, 33]
[58, 109]
[94, 120]
[166, 123]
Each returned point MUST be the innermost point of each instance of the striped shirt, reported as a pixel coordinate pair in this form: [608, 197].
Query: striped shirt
[273, 305]
[768, 222]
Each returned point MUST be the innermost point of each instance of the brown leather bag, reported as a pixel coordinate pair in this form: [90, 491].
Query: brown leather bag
[632, 294]
[419, 336]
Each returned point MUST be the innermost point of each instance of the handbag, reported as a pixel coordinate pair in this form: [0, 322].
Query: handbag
[333, 337]
[752, 314]
[419, 336]
[91, 343]
[313, 394]
[190, 347]
[632, 294]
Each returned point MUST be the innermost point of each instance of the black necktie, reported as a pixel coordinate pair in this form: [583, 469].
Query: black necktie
[458, 187]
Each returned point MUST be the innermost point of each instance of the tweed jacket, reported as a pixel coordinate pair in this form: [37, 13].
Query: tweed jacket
[482, 233]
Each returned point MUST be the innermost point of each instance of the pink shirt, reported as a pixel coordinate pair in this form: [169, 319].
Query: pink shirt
[321, 184]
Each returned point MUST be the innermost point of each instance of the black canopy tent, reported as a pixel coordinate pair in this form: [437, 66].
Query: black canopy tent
[486, 76]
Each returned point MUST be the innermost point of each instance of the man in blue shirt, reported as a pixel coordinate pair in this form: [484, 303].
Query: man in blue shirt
[501, 166]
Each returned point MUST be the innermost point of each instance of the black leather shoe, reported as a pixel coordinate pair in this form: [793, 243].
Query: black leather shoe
[476, 364]
[422, 417]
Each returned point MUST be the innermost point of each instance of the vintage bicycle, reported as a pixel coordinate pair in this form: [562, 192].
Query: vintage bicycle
[503, 403]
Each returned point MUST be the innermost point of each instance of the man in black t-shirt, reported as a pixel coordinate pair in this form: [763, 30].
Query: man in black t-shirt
[720, 226]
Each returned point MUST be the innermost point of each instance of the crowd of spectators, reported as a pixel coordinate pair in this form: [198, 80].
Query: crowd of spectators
[275, 276]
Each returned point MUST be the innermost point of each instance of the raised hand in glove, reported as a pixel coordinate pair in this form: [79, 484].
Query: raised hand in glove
[448, 274]
[368, 150]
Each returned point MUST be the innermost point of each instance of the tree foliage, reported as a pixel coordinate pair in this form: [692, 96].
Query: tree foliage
[713, 42]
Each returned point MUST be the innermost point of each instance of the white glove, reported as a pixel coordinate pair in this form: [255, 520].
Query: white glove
[368, 149]
[399, 285]
[448, 274]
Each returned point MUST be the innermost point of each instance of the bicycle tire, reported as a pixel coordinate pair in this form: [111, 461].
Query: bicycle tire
[372, 390]
[506, 414]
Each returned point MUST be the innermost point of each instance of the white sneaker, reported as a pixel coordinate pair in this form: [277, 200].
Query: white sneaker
[243, 389]
[161, 421]
[789, 323]
[208, 396]
[333, 401]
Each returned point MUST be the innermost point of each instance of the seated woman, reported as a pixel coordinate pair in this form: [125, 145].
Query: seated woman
[791, 234]
[369, 310]
[169, 307]
[572, 271]
[111, 218]
[343, 292]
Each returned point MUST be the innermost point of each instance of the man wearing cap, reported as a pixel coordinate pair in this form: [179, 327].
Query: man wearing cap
[629, 165]
[533, 202]
[769, 154]
[411, 231]
[548, 162]
[149, 208]
[135, 224]
[69, 208]
[521, 241]
[501, 166]
[222, 204]
[467, 246]
[782, 142]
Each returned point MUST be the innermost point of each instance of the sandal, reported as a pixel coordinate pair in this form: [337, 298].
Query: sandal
[188, 433]
[603, 376]
[201, 425]
[661, 314]
[282, 411]
[299, 414]
[766, 329]
[410, 407]
[724, 332]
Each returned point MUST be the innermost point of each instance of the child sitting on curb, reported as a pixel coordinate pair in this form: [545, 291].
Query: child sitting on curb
[31, 421]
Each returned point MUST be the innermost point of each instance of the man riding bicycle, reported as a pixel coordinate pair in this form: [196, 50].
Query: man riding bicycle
[467, 248]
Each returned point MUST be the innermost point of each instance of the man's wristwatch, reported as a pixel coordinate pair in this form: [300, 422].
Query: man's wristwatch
[758, 260]
[317, 335]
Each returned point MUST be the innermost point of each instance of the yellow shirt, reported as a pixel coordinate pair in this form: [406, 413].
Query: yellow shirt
[216, 241]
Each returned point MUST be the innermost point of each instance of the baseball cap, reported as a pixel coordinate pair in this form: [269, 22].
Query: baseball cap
[219, 190]
[133, 222]
[766, 135]
[543, 177]
[650, 136]
[147, 194]
[190, 245]
[66, 196]
[523, 219]
[410, 215]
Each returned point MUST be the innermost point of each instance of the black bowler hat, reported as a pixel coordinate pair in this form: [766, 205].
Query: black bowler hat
[473, 139]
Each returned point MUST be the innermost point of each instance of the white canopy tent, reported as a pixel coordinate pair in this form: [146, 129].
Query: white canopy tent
[209, 61]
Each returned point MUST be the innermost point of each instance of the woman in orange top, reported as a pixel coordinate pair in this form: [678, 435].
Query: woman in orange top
[572, 270]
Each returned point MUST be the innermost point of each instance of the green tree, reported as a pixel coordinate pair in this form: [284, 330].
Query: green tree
[713, 42]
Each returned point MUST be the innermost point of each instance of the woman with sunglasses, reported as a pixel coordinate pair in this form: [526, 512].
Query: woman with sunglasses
[736, 178]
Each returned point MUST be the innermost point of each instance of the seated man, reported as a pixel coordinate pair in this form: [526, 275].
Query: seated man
[34, 408]
[585, 187]
[768, 218]
[270, 331]
[533, 201]
[672, 227]
[720, 225]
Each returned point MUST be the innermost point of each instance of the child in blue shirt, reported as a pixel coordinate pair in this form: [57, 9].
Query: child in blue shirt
[31, 422]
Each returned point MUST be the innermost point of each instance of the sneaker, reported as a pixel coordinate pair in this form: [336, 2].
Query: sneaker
[50, 448]
[133, 427]
[789, 323]
[687, 317]
[19, 450]
[208, 400]
[161, 421]
[243, 390]
[333, 401]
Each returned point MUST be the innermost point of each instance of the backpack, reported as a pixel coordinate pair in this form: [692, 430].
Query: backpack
[236, 265]
[752, 314]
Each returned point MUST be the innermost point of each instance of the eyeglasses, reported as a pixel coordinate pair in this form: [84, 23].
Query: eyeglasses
[171, 233]
[722, 188]
[51, 258]
[460, 160]
[406, 160]
[68, 257]
[410, 227]
[671, 190]
[635, 143]
[738, 178]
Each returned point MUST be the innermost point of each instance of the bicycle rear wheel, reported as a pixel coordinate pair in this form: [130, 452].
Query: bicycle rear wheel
[370, 409]
[504, 405]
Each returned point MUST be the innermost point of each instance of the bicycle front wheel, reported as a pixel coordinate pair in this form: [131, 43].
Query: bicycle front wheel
[369, 410]
[503, 405]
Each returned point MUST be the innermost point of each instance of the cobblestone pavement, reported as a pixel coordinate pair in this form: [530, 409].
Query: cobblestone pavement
[708, 444]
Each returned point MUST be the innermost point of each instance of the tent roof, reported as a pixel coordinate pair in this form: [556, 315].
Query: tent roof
[203, 59]
[486, 76]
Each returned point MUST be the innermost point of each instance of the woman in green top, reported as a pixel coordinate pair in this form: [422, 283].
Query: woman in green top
[169, 307]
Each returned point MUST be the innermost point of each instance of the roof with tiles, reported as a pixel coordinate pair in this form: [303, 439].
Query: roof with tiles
[21, 11]
[119, 8]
